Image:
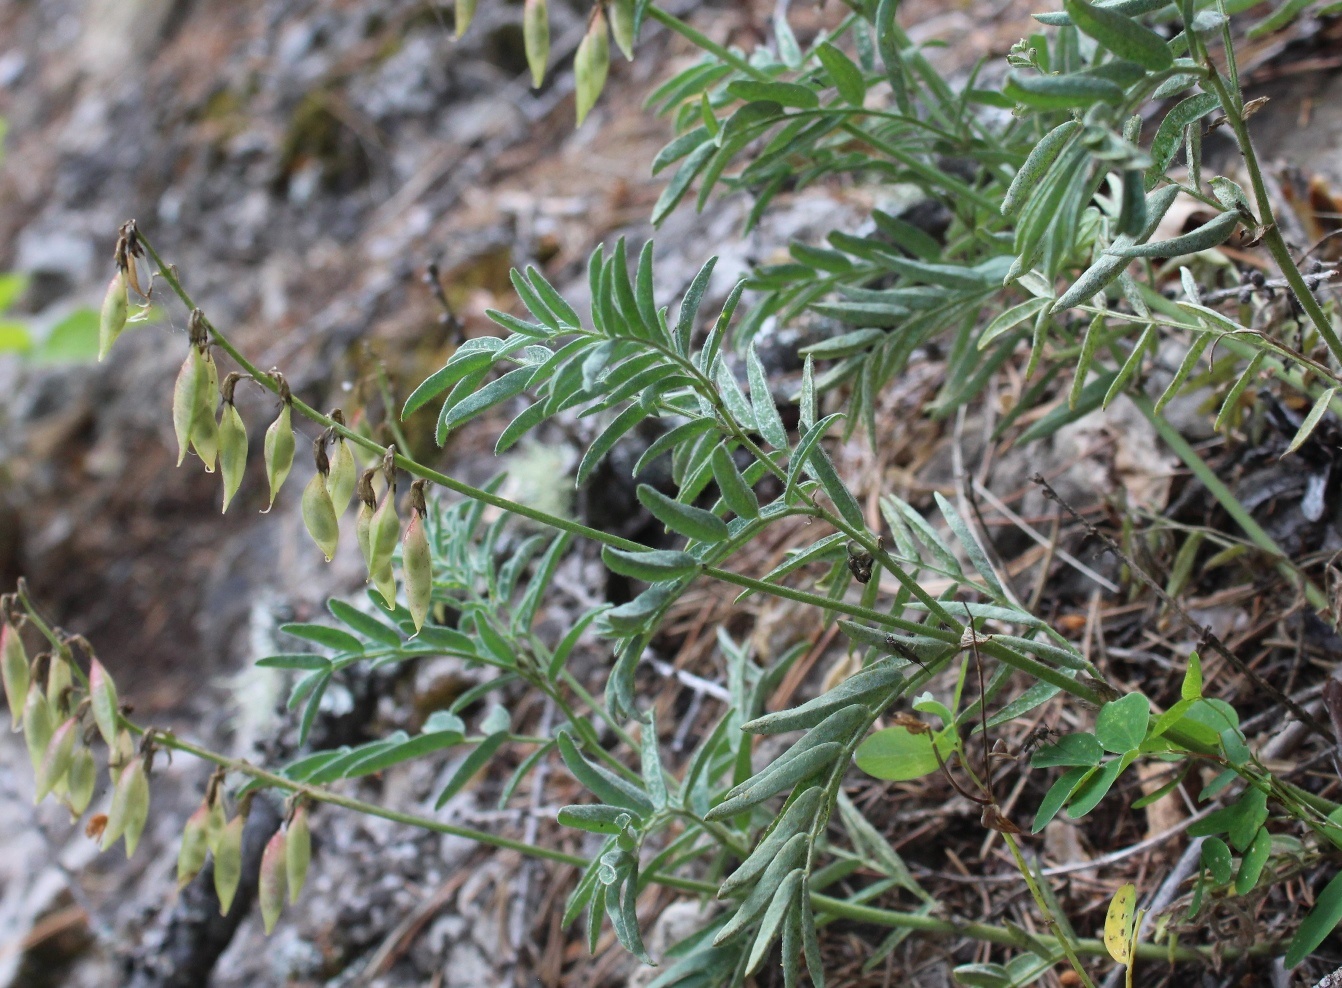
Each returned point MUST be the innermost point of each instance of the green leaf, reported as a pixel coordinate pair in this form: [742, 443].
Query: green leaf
[1254, 859]
[1121, 35]
[1058, 794]
[784, 93]
[1216, 858]
[1312, 420]
[1094, 789]
[651, 567]
[1071, 749]
[680, 182]
[73, 340]
[630, 417]
[365, 624]
[607, 786]
[1061, 92]
[736, 493]
[693, 523]
[341, 641]
[1121, 724]
[12, 283]
[896, 755]
[299, 660]
[846, 76]
[595, 819]
[510, 385]
[1191, 689]
[689, 306]
[1012, 318]
[1169, 135]
[472, 764]
[762, 402]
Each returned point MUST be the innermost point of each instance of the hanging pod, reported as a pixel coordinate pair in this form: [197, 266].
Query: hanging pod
[591, 63]
[56, 760]
[130, 807]
[416, 560]
[272, 880]
[81, 780]
[279, 444]
[367, 506]
[319, 514]
[103, 701]
[15, 672]
[232, 441]
[536, 38]
[298, 852]
[116, 306]
[59, 683]
[383, 530]
[195, 845]
[344, 472]
[192, 389]
[228, 861]
[39, 723]
[205, 430]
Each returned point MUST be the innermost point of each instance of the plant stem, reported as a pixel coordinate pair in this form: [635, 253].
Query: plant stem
[1068, 947]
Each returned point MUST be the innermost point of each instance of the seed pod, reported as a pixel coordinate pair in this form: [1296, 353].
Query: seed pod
[344, 472]
[130, 807]
[367, 505]
[215, 823]
[15, 671]
[192, 381]
[416, 559]
[81, 779]
[232, 450]
[270, 890]
[383, 529]
[39, 723]
[536, 38]
[318, 513]
[279, 451]
[298, 852]
[191, 855]
[591, 63]
[56, 760]
[204, 429]
[59, 684]
[122, 754]
[116, 305]
[103, 700]
[622, 25]
[228, 863]
[465, 10]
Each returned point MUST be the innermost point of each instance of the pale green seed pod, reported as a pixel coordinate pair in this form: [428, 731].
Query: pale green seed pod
[319, 515]
[39, 723]
[465, 12]
[228, 863]
[130, 807]
[341, 480]
[192, 380]
[272, 880]
[59, 682]
[367, 507]
[81, 780]
[279, 451]
[384, 581]
[536, 38]
[205, 430]
[15, 671]
[591, 63]
[120, 755]
[383, 530]
[103, 701]
[622, 25]
[191, 855]
[232, 450]
[56, 760]
[116, 306]
[416, 559]
[298, 852]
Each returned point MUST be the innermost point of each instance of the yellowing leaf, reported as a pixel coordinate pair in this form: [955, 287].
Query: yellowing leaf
[1118, 924]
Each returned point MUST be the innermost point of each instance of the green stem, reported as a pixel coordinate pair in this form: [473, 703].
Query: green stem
[1065, 942]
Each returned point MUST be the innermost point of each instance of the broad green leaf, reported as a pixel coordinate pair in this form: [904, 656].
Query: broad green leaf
[896, 755]
[846, 76]
[1058, 794]
[1216, 858]
[1121, 35]
[1071, 749]
[1094, 789]
[1121, 724]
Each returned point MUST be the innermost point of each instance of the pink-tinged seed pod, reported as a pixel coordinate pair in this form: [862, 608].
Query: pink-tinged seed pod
[416, 559]
[15, 671]
[103, 701]
[56, 760]
[341, 480]
[130, 807]
[272, 880]
[363, 525]
[192, 380]
[81, 780]
[536, 38]
[39, 723]
[232, 450]
[279, 451]
[116, 306]
[228, 863]
[191, 855]
[59, 682]
[298, 852]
